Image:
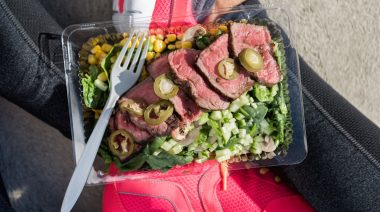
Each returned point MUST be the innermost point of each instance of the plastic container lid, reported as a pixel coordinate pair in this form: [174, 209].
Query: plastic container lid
[75, 35]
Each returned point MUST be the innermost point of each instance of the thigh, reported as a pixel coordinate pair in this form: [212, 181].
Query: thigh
[340, 172]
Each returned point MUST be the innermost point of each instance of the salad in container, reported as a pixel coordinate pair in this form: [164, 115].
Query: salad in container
[227, 91]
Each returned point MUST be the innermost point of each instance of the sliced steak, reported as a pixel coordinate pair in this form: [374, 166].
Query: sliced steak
[144, 91]
[159, 66]
[182, 64]
[248, 36]
[208, 64]
[270, 74]
[160, 130]
[186, 108]
[122, 121]
[251, 36]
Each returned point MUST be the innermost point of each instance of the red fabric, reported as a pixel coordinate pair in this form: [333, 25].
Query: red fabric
[181, 14]
[121, 6]
[198, 188]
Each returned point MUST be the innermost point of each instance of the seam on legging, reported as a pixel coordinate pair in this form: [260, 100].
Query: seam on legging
[332, 120]
[31, 44]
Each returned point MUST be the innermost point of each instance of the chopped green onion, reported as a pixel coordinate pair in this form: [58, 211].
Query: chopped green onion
[168, 144]
[239, 116]
[203, 119]
[176, 149]
[216, 115]
[101, 85]
[242, 123]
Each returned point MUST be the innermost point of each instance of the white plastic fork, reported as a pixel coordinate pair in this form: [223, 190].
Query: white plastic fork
[123, 76]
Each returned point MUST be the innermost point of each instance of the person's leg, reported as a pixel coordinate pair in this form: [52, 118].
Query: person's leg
[27, 77]
[342, 170]
[74, 12]
[35, 160]
[36, 163]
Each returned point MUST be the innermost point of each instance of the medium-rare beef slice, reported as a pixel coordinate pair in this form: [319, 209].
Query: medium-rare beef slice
[159, 66]
[144, 91]
[252, 36]
[248, 36]
[160, 129]
[270, 74]
[122, 122]
[208, 64]
[182, 64]
[186, 108]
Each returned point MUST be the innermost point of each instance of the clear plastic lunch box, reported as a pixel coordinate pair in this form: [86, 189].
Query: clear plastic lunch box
[75, 35]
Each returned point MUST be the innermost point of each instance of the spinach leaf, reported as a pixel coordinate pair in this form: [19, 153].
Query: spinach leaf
[94, 72]
[156, 144]
[164, 161]
[135, 163]
[258, 113]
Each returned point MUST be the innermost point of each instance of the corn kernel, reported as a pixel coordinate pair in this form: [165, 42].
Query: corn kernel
[106, 47]
[137, 43]
[159, 37]
[213, 31]
[171, 37]
[102, 77]
[93, 41]
[113, 59]
[96, 49]
[159, 46]
[264, 171]
[187, 44]
[92, 59]
[129, 44]
[166, 41]
[178, 44]
[152, 38]
[171, 46]
[149, 56]
[100, 54]
[122, 42]
[124, 34]
[180, 36]
[223, 28]
[157, 55]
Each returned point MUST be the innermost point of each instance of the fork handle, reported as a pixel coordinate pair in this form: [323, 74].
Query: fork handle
[82, 170]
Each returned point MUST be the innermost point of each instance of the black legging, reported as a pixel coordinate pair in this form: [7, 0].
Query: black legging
[340, 173]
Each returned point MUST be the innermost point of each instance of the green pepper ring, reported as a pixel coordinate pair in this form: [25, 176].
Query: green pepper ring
[163, 115]
[128, 137]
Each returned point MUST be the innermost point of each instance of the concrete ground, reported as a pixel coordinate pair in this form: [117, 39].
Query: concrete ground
[339, 40]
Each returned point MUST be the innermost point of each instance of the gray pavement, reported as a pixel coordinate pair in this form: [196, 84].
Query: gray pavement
[340, 41]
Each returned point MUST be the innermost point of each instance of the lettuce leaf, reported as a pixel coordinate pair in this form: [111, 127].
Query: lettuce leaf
[93, 97]
[265, 94]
